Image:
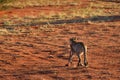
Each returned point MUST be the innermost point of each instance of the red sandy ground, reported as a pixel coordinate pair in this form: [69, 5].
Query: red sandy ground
[42, 55]
[36, 11]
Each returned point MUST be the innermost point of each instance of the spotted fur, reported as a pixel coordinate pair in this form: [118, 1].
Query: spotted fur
[77, 48]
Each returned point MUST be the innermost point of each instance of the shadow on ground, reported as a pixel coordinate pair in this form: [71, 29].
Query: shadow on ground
[73, 20]
[116, 1]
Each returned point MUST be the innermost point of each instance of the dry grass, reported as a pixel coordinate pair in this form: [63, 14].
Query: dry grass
[33, 3]
[92, 10]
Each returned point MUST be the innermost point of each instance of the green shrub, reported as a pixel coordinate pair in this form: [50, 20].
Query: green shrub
[4, 7]
[6, 1]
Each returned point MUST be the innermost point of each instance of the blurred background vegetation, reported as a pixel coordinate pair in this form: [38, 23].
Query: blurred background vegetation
[78, 9]
[6, 4]
[5, 1]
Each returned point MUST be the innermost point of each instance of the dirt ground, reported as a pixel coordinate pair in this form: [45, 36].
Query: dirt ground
[41, 55]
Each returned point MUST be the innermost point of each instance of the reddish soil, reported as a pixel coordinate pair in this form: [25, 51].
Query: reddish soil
[36, 11]
[42, 55]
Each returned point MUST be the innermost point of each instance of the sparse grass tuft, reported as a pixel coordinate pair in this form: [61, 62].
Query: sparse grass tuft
[93, 10]
[32, 3]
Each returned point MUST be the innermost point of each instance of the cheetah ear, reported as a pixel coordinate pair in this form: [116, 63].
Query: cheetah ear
[74, 38]
[77, 38]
